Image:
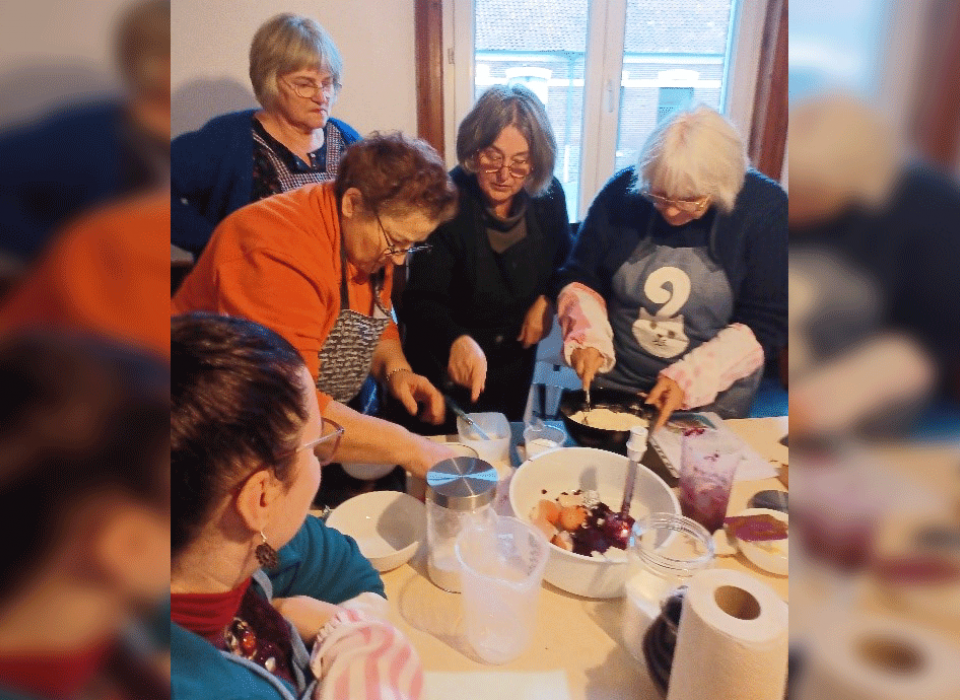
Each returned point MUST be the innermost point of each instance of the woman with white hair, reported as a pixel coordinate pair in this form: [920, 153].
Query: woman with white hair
[242, 157]
[677, 283]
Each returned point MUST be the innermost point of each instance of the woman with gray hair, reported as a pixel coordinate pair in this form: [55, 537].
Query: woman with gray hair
[476, 305]
[242, 157]
[677, 284]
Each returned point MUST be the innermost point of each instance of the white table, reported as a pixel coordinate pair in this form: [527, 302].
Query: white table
[577, 636]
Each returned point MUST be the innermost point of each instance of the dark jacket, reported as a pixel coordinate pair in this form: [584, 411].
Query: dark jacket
[463, 287]
[211, 175]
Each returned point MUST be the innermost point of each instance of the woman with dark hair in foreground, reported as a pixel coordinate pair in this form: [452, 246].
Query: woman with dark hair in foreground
[255, 581]
[85, 505]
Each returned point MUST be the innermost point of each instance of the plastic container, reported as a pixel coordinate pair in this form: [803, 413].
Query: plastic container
[670, 548]
[708, 464]
[502, 567]
[497, 428]
[539, 437]
[459, 493]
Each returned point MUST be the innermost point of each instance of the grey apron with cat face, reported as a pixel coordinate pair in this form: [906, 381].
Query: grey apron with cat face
[347, 352]
[665, 302]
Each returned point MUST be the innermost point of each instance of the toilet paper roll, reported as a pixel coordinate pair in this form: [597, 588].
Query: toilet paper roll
[732, 642]
[857, 657]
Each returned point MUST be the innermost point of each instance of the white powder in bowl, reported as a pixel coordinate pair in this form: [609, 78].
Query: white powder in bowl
[606, 419]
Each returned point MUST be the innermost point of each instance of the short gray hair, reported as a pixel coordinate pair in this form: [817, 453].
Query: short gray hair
[502, 106]
[693, 153]
[287, 43]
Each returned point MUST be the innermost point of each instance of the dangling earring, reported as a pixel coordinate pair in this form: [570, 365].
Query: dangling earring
[267, 556]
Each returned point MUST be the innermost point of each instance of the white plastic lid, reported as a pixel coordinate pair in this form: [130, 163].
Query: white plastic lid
[637, 443]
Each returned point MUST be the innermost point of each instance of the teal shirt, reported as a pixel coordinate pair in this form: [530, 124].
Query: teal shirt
[319, 562]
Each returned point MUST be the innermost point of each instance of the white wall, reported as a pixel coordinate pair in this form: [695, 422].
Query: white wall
[54, 53]
[211, 40]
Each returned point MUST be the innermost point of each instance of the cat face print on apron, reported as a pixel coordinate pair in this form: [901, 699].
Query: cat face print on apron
[347, 353]
[666, 301]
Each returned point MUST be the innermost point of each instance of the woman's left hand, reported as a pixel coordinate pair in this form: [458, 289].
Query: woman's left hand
[667, 396]
[307, 614]
[537, 322]
[413, 389]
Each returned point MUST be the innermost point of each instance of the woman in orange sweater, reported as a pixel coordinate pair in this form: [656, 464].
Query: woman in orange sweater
[316, 265]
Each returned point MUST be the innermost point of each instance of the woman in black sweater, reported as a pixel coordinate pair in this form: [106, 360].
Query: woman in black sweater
[475, 306]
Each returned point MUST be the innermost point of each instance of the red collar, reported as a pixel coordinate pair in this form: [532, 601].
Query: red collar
[54, 675]
[207, 614]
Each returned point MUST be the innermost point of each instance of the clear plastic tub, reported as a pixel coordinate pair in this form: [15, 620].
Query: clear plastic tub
[497, 428]
[502, 567]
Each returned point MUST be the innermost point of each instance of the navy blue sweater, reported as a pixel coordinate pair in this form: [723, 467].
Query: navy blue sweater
[750, 244]
[211, 175]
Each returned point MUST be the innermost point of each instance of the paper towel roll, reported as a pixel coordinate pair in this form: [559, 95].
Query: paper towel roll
[859, 657]
[732, 642]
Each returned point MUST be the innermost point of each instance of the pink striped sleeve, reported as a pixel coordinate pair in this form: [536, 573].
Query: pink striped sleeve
[582, 314]
[357, 655]
[712, 367]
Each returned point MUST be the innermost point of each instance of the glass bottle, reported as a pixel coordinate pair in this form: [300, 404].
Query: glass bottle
[459, 490]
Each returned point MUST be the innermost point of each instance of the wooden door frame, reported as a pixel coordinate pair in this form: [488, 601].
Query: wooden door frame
[428, 49]
[768, 129]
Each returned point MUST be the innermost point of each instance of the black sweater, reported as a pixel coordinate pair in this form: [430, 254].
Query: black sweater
[463, 287]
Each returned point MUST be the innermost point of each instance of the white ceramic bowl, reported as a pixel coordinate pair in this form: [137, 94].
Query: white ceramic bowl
[571, 468]
[772, 556]
[387, 525]
[367, 472]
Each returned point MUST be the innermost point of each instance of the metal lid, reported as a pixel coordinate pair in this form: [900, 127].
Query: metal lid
[461, 483]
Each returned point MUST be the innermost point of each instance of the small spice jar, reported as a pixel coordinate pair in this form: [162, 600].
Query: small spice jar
[459, 490]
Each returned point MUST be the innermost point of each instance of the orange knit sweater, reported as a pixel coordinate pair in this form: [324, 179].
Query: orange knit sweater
[108, 273]
[277, 262]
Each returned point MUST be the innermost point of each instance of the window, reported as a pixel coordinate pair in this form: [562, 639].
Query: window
[606, 70]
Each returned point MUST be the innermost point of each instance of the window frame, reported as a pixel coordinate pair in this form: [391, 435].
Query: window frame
[604, 58]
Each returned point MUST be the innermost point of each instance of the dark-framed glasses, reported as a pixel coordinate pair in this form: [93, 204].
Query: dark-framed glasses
[689, 206]
[395, 251]
[309, 89]
[492, 162]
[325, 447]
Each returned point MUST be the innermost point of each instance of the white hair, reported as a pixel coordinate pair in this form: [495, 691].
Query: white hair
[694, 153]
[840, 145]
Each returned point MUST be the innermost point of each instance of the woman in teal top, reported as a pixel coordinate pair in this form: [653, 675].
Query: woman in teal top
[255, 581]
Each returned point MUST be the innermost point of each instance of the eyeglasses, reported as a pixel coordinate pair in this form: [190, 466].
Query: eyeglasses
[689, 206]
[492, 162]
[325, 446]
[309, 89]
[395, 251]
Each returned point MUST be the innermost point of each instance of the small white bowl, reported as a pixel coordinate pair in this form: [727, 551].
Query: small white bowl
[773, 555]
[367, 472]
[387, 525]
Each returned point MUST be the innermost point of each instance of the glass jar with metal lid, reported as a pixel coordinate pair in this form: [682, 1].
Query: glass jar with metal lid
[459, 490]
